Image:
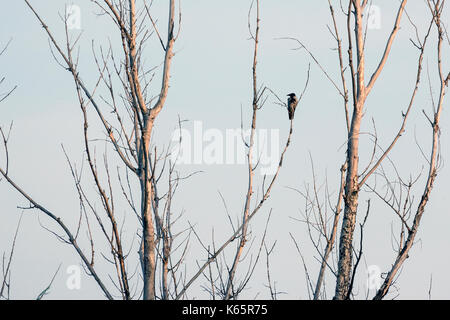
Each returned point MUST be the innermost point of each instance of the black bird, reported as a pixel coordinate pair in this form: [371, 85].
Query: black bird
[291, 105]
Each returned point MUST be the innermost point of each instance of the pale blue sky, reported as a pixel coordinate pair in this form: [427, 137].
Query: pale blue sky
[211, 79]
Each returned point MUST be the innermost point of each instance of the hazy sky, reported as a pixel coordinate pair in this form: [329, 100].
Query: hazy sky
[211, 82]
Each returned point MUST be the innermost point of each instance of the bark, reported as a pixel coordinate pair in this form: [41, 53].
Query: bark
[351, 182]
[146, 176]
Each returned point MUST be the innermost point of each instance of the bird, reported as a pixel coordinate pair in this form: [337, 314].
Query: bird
[291, 105]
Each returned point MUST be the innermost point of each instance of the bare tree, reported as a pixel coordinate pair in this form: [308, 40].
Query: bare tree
[407, 238]
[360, 93]
[356, 180]
[322, 229]
[147, 180]
[130, 137]
[225, 286]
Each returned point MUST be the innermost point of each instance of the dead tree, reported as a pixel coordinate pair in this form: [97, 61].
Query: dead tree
[130, 138]
[360, 93]
[232, 290]
[355, 179]
[223, 282]
[407, 237]
[352, 178]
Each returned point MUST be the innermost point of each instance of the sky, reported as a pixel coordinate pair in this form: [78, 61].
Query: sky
[210, 86]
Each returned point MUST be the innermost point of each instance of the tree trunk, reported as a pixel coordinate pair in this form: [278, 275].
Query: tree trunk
[148, 234]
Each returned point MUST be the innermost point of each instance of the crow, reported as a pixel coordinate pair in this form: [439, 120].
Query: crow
[291, 105]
